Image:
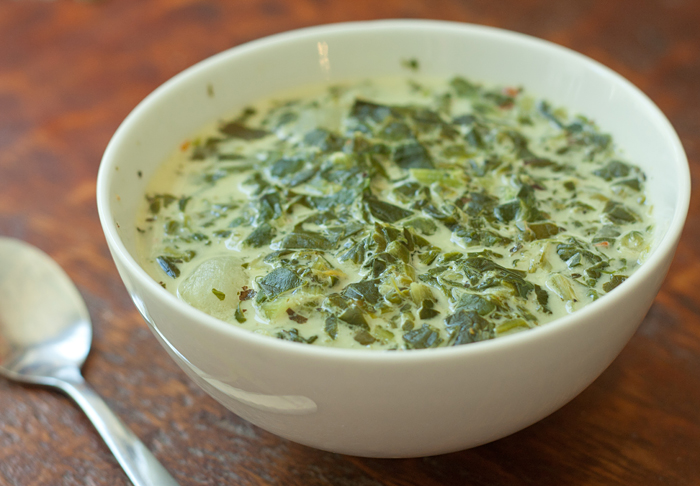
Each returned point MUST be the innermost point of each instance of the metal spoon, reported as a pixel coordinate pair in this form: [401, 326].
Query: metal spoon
[45, 336]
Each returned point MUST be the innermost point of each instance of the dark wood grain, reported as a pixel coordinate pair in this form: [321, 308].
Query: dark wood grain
[70, 71]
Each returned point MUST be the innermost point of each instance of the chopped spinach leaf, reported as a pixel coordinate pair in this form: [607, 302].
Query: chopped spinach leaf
[168, 266]
[424, 337]
[279, 281]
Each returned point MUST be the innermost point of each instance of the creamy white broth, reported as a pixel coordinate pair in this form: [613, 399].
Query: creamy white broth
[475, 211]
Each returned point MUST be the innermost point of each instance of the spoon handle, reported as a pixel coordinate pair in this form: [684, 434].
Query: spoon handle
[142, 468]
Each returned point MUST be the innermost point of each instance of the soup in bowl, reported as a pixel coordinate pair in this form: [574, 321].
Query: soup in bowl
[308, 275]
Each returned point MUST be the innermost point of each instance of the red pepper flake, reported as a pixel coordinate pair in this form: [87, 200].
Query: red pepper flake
[185, 145]
[296, 317]
[246, 294]
[602, 243]
[510, 91]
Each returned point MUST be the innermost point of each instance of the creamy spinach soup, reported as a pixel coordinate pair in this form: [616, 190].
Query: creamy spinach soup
[395, 214]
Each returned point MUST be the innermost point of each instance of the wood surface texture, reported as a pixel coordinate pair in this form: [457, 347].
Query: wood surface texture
[70, 71]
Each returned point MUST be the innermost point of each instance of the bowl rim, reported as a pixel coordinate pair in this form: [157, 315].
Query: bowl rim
[653, 264]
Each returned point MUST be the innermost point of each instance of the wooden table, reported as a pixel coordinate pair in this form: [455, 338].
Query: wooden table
[70, 71]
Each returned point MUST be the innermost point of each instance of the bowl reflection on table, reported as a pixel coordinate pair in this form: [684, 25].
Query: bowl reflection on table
[393, 404]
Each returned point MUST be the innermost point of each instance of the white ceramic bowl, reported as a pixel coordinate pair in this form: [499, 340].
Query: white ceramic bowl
[393, 404]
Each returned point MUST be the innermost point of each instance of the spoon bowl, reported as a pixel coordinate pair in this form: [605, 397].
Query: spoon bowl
[33, 348]
[45, 337]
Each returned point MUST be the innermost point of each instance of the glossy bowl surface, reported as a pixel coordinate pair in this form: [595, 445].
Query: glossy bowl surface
[389, 404]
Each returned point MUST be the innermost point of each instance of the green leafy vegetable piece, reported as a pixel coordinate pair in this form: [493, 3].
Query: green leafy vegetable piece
[182, 203]
[486, 168]
[500, 98]
[306, 241]
[574, 261]
[423, 116]
[257, 182]
[172, 227]
[269, 206]
[478, 203]
[614, 169]
[413, 156]
[614, 281]
[484, 273]
[286, 166]
[236, 129]
[336, 301]
[572, 246]
[293, 316]
[385, 211]
[365, 290]
[202, 151]
[157, 201]
[475, 138]
[633, 184]
[546, 110]
[342, 198]
[466, 120]
[168, 266]
[354, 316]
[279, 281]
[355, 253]
[422, 338]
[411, 64]
[474, 236]
[506, 212]
[261, 236]
[238, 314]
[286, 118]
[512, 325]
[399, 250]
[474, 302]
[425, 225]
[231, 157]
[294, 336]
[607, 233]
[366, 110]
[321, 217]
[331, 326]
[595, 271]
[302, 176]
[542, 299]
[528, 209]
[464, 88]
[364, 337]
[468, 327]
[618, 213]
[541, 162]
[426, 311]
[344, 174]
[544, 230]
[396, 131]
[325, 140]
[408, 191]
